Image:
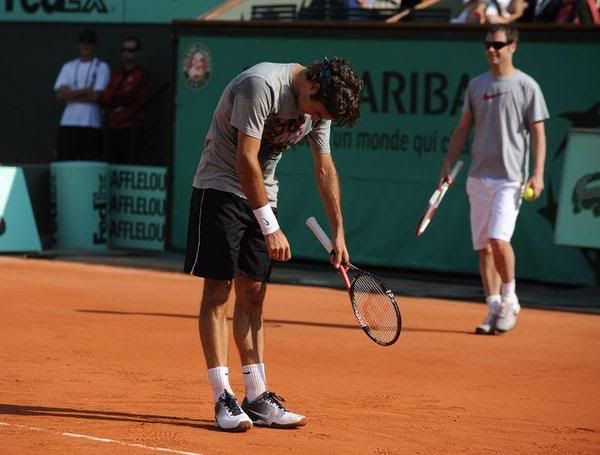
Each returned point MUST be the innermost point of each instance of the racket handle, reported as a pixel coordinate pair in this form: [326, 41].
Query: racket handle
[316, 228]
[456, 169]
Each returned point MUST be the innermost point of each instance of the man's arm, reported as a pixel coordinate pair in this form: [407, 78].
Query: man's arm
[457, 144]
[329, 189]
[64, 93]
[538, 150]
[86, 95]
[251, 178]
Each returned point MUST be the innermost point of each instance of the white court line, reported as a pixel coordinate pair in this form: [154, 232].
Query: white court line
[96, 439]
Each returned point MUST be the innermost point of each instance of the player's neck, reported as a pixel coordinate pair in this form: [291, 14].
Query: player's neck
[86, 58]
[298, 79]
[503, 70]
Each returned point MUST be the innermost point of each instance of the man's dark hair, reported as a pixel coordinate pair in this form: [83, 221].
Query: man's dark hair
[87, 36]
[136, 40]
[511, 32]
[340, 89]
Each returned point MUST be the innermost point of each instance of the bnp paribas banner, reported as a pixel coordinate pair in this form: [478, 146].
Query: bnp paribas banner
[389, 162]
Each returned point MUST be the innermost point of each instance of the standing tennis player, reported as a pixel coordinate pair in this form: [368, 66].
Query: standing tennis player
[506, 107]
[233, 234]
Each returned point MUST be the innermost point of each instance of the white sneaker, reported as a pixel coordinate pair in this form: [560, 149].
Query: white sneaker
[267, 410]
[229, 416]
[488, 326]
[507, 318]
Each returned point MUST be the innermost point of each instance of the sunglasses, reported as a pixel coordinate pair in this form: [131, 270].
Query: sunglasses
[128, 49]
[497, 45]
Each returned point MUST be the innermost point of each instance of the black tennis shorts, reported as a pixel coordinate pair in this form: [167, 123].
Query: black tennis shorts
[224, 238]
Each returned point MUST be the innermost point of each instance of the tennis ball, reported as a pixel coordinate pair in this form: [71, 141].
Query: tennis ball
[529, 194]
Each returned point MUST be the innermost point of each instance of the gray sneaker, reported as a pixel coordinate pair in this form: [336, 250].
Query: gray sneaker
[229, 415]
[507, 318]
[488, 326]
[267, 410]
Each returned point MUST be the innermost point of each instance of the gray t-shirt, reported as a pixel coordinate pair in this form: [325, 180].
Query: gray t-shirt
[503, 110]
[260, 103]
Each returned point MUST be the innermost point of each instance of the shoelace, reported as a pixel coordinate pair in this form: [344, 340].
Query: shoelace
[231, 403]
[275, 399]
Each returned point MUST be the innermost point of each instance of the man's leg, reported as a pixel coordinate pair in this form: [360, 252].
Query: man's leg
[504, 213]
[212, 322]
[262, 406]
[213, 239]
[491, 281]
[490, 276]
[214, 337]
[247, 319]
[480, 199]
[504, 257]
[248, 332]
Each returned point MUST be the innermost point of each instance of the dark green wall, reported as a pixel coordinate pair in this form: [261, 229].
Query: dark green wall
[32, 55]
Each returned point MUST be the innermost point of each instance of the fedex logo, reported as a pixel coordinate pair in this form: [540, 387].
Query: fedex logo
[57, 6]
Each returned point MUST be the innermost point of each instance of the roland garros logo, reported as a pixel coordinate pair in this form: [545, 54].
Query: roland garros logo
[197, 65]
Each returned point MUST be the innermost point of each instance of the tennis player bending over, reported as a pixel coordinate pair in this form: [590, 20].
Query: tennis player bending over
[233, 234]
[506, 107]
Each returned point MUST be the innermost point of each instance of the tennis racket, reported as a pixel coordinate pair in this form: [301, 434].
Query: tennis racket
[435, 200]
[373, 302]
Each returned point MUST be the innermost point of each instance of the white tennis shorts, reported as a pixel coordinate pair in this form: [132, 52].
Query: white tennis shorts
[495, 205]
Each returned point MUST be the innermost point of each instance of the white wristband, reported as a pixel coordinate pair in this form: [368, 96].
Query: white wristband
[266, 219]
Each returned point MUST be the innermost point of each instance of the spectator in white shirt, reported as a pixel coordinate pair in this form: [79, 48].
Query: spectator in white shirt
[79, 84]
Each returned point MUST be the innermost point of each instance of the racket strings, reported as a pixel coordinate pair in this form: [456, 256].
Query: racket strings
[375, 307]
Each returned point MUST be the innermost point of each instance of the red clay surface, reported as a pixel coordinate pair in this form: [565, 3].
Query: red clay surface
[114, 353]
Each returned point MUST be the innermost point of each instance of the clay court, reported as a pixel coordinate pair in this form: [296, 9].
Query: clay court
[100, 359]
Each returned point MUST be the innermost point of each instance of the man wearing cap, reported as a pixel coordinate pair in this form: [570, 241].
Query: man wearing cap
[79, 84]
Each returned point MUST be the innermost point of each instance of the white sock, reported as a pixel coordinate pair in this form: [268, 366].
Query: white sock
[253, 381]
[261, 368]
[219, 378]
[508, 290]
[493, 300]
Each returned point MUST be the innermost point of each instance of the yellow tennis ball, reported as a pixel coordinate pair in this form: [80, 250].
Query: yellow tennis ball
[529, 194]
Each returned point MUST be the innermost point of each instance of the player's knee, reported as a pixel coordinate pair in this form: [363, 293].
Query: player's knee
[487, 251]
[216, 292]
[498, 244]
[250, 295]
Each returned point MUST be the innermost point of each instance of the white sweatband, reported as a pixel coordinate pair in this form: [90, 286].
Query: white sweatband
[266, 219]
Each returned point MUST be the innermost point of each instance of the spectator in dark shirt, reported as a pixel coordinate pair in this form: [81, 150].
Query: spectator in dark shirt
[125, 99]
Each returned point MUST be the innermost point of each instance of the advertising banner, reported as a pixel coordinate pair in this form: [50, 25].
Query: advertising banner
[389, 163]
[138, 207]
[578, 222]
[79, 204]
[18, 231]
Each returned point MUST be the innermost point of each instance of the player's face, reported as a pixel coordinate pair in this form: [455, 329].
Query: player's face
[315, 109]
[503, 54]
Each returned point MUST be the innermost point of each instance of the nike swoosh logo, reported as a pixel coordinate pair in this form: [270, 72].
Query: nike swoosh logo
[246, 372]
[266, 222]
[487, 97]
[257, 415]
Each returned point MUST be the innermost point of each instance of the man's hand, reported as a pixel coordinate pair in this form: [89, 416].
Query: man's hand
[537, 183]
[278, 246]
[445, 173]
[341, 252]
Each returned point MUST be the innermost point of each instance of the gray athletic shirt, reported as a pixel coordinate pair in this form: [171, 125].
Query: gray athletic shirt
[260, 103]
[503, 109]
